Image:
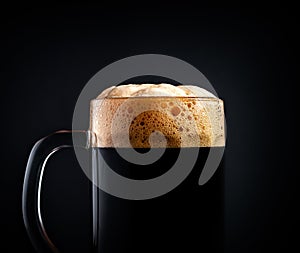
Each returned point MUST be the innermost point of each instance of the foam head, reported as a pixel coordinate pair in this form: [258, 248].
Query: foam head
[157, 115]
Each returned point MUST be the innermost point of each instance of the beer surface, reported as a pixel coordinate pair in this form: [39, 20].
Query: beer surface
[157, 115]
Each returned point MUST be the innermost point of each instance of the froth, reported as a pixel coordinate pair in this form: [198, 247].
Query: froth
[154, 90]
[157, 115]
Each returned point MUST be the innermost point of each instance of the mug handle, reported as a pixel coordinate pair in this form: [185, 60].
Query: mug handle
[38, 158]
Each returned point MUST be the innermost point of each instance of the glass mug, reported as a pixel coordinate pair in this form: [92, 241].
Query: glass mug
[186, 218]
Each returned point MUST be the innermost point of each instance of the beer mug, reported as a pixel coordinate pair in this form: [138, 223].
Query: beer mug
[157, 183]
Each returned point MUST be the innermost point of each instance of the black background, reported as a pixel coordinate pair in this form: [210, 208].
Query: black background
[49, 53]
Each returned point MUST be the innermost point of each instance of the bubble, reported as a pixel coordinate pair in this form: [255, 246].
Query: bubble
[163, 105]
[175, 110]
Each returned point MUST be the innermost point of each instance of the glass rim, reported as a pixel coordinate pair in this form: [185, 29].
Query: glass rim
[159, 97]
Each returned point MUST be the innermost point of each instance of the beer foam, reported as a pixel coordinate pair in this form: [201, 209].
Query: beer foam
[150, 90]
[157, 115]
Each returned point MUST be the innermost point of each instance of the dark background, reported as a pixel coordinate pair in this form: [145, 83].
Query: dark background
[49, 53]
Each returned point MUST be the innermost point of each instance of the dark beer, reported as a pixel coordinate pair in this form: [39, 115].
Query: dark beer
[187, 219]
